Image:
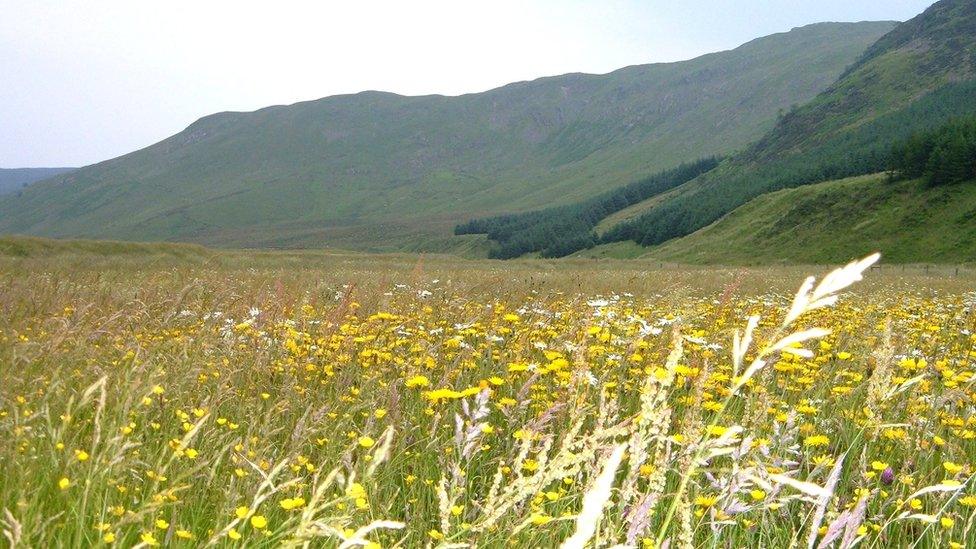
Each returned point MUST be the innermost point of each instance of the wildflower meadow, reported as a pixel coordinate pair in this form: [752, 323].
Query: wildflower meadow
[427, 405]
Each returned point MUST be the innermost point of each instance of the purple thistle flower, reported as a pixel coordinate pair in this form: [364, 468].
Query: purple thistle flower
[887, 476]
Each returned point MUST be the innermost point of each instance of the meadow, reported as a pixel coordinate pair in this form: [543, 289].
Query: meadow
[158, 398]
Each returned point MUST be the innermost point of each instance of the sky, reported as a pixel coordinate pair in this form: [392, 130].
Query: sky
[85, 81]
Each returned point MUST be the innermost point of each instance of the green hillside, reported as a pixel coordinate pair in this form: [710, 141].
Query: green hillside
[907, 221]
[23, 247]
[916, 78]
[379, 171]
[15, 179]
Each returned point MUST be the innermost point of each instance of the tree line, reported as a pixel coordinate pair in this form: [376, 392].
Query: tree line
[943, 156]
[563, 230]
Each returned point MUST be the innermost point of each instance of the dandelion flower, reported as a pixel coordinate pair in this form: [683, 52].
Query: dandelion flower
[814, 441]
[952, 468]
[418, 381]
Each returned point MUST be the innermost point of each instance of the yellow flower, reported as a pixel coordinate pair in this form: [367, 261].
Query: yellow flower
[540, 519]
[233, 534]
[149, 539]
[292, 503]
[706, 501]
[259, 522]
[380, 413]
[81, 455]
[64, 483]
[241, 512]
[366, 442]
[946, 522]
[952, 468]
[356, 490]
[161, 524]
[757, 495]
[109, 537]
[184, 534]
[418, 381]
[816, 440]
[434, 534]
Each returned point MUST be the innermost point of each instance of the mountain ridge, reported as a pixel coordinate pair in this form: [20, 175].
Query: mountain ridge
[288, 175]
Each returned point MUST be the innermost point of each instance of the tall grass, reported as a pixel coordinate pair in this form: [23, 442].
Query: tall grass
[446, 405]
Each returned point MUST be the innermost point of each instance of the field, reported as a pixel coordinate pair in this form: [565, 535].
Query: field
[178, 396]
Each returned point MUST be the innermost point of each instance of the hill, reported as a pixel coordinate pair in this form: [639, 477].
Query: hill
[13, 180]
[379, 171]
[918, 77]
[907, 221]
[23, 247]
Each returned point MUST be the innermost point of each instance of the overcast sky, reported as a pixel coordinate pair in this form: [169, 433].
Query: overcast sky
[84, 81]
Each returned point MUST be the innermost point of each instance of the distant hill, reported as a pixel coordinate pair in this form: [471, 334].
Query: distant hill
[12, 180]
[914, 89]
[378, 171]
[919, 76]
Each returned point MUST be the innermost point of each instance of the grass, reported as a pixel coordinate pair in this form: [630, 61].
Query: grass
[627, 249]
[268, 398]
[34, 247]
[831, 221]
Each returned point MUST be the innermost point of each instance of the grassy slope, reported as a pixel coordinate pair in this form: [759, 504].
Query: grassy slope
[381, 165]
[35, 247]
[874, 103]
[835, 221]
[15, 179]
